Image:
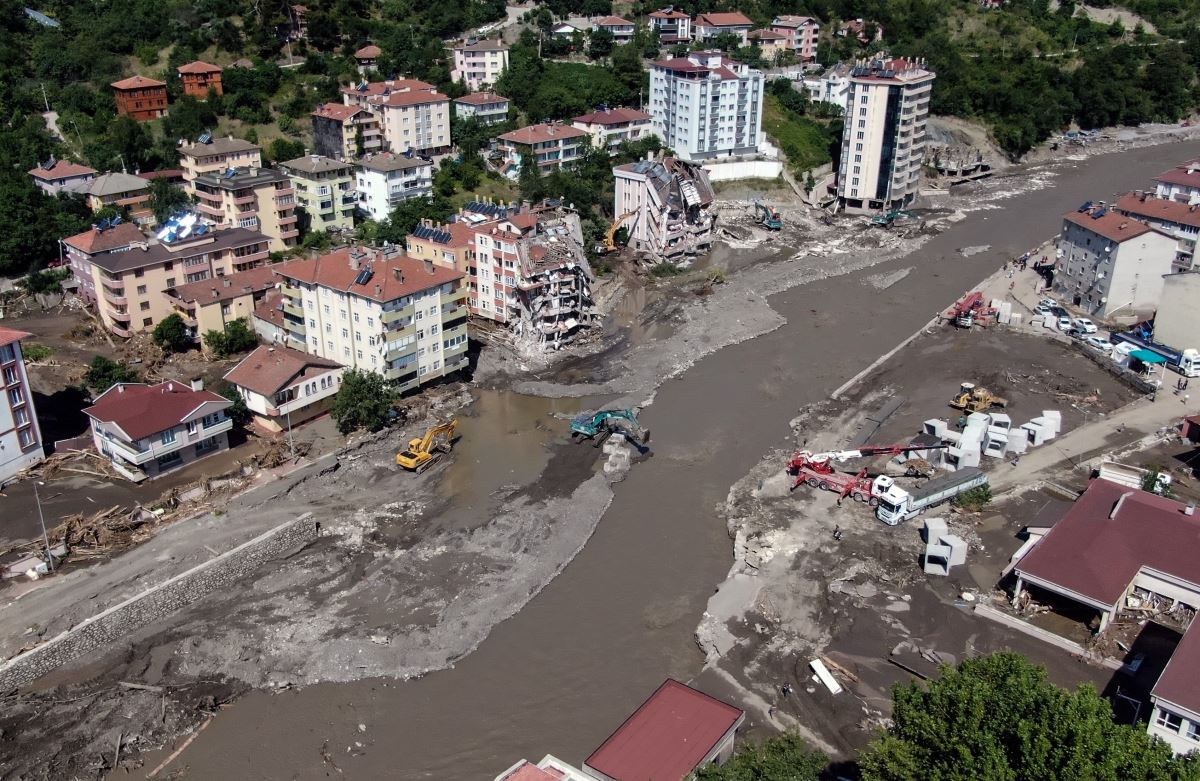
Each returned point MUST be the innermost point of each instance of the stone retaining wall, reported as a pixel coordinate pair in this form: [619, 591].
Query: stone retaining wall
[157, 602]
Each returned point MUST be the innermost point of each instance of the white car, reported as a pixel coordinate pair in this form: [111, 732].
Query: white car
[1085, 326]
[1049, 303]
[1099, 343]
[1065, 324]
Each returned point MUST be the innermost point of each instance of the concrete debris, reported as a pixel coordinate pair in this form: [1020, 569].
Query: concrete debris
[671, 215]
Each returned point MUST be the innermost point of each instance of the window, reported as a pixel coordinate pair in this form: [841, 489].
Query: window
[432, 311]
[213, 419]
[26, 437]
[1192, 731]
[147, 322]
[433, 329]
[328, 311]
[141, 289]
[191, 427]
[370, 322]
[420, 314]
[7, 353]
[343, 314]
[10, 376]
[22, 416]
[329, 346]
[225, 309]
[345, 334]
[861, 136]
[139, 273]
[1168, 721]
[420, 333]
[315, 342]
[145, 305]
[421, 352]
[167, 437]
[312, 323]
[435, 347]
[346, 352]
[356, 317]
[370, 341]
[360, 355]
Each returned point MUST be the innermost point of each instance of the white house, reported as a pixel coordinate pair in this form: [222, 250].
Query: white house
[1181, 220]
[609, 128]
[20, 436]
[833, 87]
[1110, 264]
[487, 108]
[285, 387]
[706, 105]
[148, 430]
[386, 179]
[621, 29]
[479, 64]
[673, 26]
[1181, 183]
[708, 26]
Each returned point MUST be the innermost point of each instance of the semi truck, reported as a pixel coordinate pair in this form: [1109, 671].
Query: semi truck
[897, 504]
[1185, 362]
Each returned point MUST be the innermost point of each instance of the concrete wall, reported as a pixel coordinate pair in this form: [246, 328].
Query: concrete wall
[725, 171]
[157, 602]
[1177, 322]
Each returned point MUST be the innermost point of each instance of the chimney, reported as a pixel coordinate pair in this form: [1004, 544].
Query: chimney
[120, 388]
[355, 261]
[1117, 507]
[198, 384]
[1190, 509]
[227, 282]
[428, 266]
[398, 273]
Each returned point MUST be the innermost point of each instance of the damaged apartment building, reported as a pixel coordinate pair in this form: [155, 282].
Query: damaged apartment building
[666, 205]
[526, 265]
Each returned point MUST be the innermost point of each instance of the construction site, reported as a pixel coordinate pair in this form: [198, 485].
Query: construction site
[436, 591]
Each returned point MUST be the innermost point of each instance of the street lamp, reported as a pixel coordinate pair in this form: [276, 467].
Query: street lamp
[42, 520]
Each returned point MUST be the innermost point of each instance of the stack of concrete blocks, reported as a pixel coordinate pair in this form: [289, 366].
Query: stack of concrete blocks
[942, 550]
[1043, 428]
[995, 441]
[619, 457]
[968, 444]
[1004, 313]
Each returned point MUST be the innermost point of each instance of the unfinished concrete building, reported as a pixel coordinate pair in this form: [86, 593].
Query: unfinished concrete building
[667, 207]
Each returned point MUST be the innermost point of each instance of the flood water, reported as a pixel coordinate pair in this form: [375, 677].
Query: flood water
[562, 674]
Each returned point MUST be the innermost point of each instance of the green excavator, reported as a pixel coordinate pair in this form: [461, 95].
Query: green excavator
[768, 217]
[599, 426]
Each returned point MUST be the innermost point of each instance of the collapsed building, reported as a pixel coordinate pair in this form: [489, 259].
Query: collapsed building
[667, 206]
[526, 266]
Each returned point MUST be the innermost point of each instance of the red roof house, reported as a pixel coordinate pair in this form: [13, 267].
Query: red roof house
[141, 98]
[670, 735]
[198, 77]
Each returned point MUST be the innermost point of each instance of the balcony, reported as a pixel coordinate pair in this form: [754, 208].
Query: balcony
[210, 210]
[290, 292]
[284, 192]
[117, 300]
[119, 331]
[288, 219]
[248, 198]
[293, 310]
[295, 327]
[253, 259]
[398, 314]
[400, 353]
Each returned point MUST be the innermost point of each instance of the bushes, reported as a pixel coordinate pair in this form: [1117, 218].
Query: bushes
[975, 499]
[171, 334]
[237, 337]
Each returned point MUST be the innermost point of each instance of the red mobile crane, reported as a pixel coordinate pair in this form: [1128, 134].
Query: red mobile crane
[969, 309]
[816, 470]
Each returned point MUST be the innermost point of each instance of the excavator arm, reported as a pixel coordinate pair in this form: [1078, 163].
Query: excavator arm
[610, 236]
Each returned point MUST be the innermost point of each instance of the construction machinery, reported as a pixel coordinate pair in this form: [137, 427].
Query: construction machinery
[971, 398]
[970, 310]
[424, 451]
[599, 426]
[816, 470]
[767, 217]
[892, 217]
[610, 236]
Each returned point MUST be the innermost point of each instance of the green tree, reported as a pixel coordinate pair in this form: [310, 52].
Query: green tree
[238, 412]
[600, 43]
[782, 758]
[998, 718]
[167, 199]
[237, 337]
[283, 149]
[171, 334]
[103, 373]
[363, 401]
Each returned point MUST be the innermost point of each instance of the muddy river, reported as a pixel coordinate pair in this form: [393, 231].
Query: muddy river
[560, 676]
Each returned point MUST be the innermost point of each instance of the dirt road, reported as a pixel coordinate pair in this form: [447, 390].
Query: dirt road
[559, 675]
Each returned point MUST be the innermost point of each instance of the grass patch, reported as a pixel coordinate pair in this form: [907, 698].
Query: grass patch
[498, 189]
[34, 352]
[665, 269]
[804, 141]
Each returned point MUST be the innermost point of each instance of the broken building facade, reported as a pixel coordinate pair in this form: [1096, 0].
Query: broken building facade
[667, 206]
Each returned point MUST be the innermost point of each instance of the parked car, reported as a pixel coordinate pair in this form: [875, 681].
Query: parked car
[1058, 311]
[1042, 310]
[1099, 343]
[1065, 324]
[1049, 303]
[1083, 325]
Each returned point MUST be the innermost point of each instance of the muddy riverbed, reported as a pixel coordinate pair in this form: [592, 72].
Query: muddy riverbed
[561, 673]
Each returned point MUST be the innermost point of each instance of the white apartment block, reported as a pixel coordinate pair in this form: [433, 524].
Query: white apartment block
[414, 121]
[673, 26]
[479, 64]
[385, 180]
[1110, 264]
[1181, 183]
[706, 105]
[20, 435]
[487, 108]
[883, 144]
[378, 310]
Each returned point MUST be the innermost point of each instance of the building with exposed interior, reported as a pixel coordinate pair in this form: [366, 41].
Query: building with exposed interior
[487, 108]
[20, 434]
[706, 105]
[324, 190]
[552, 145]
[666, 205]
[386, 179]
[148, 430]
[141, 98]
[199, 77]
[378, 310]
[215, 155]
[801, 34]
[283, 387]
[345, 132]
[479, 64]
[883, 142]
[611, 127]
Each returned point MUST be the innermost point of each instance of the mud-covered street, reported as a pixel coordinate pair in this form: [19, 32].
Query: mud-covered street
[419, 574]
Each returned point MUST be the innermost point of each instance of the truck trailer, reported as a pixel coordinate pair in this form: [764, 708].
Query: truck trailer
[898, 504]
[1185, 362]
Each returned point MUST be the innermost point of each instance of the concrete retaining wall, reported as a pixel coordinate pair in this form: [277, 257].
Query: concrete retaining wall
[157, 602]
[721, 171]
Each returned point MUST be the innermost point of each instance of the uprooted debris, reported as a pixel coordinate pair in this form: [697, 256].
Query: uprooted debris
[100, 534]
[81, 462]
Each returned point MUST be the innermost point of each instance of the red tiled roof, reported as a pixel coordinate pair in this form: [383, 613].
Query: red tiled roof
[135, 82]
[1186, 174]
[1097, 556]
[199, 66]
[667, 737]
[613, 21]
[228, 287]
[767, 35]
[368, 52]
[269, 308]
[268, 369]
[1112, 226]
[166, 173]
[9, 335]
[527, 771]
[393, 278]
[338, 111]
[668, 15]
[481, 98]
[413, 98]
[92, 241]
[788, 20]
[1180, 681]
[1159, 209]
[141, 410]
[524, 220]
[383, 87]
[614, 116]
[536, 134]
[731, 19]
[62, 169]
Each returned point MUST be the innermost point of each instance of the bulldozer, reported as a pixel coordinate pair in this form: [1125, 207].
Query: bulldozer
[974, 399]
[424, 451]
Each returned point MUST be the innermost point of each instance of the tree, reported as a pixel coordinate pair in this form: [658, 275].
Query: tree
[363, 401]
[782, 758]
[103, 373]
[167, 199]
[600, 43]
[171, 334]
[237, 337]
[239, 413]
[285, 149]
[998, 718]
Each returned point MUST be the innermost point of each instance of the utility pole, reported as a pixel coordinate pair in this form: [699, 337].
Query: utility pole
[42, 520]
[291, 441]
[45, 99]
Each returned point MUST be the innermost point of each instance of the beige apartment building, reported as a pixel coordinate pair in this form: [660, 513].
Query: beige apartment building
[325, 190]
[416, 121]
[212, 304]
[260, 199]
[215, 155]
[452, 245]
[378, 310]
[479, 64]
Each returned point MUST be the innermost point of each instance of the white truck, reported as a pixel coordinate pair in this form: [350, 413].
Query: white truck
[897, 504]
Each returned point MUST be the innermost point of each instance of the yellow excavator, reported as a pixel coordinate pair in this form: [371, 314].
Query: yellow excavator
[610, 237]
[971, 398]
[424, 451]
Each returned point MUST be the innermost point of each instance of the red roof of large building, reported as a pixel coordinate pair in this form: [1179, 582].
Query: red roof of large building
[373, 88]
[613, 116]
[142, 410]
[199, 66]
[229, 286]
[137, 82]
[61, 169]
[411, 98]
[536, 134]
[667, 737]
[730, 19]
[1149, 207]
[1111, 533]
[391, 277]
[270, 369]
[368, 52]
[1180, 681]
[1111, 225]
[481, 98]
[1185, 174]
[9, 335]
[93, 241]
